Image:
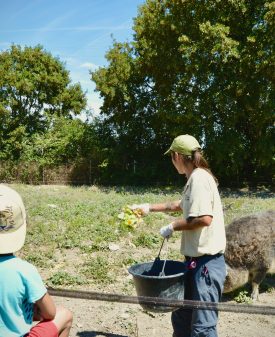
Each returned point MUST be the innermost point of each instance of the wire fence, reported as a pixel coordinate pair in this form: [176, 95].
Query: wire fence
[79, 173]
[164, 302]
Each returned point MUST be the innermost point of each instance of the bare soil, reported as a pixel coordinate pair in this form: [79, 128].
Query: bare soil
[105, 319]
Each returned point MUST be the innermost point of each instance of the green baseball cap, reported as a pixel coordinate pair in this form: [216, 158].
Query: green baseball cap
[184, 144]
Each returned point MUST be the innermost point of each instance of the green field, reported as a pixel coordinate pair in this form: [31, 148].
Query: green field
[76, 239]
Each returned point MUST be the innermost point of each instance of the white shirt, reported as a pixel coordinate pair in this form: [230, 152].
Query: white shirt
[201, 197]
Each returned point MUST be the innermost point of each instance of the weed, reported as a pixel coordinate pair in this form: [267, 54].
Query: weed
[147, 240]
[243, 297]
[62, 278]
[96, 246]
[39, 260]
[128, 261]
[97, 269]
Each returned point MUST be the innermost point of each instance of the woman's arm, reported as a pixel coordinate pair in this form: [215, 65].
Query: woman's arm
[172, 206]
[182, 224]
[192, 223]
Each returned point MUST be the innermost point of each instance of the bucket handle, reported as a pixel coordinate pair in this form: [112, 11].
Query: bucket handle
[160, 248]
[158, 257]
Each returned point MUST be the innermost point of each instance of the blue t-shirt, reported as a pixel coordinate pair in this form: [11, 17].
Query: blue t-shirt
[20, 287]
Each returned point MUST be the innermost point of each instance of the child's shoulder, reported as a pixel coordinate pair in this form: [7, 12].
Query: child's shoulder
[16, 270]
[25, 263]
[21, 264]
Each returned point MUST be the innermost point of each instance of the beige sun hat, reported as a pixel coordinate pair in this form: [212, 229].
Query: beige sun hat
[12, 221]
[184, 144]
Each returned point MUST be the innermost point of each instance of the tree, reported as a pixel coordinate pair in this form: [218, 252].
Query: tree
[199, 67]
[34, 85]
[66, 140]
[128, 115]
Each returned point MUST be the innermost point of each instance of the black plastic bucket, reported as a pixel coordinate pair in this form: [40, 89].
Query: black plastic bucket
[148, 282]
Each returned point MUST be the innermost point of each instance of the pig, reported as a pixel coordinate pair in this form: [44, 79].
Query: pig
[250, 251]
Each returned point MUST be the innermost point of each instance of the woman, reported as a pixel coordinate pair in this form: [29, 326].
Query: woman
[203, 237]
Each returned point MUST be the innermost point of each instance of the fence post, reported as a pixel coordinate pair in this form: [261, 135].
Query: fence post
[43, 175]
[90, 172]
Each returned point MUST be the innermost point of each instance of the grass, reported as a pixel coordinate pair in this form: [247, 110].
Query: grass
[97, 268]
[70, 230]
[62, 278]
[148, 240]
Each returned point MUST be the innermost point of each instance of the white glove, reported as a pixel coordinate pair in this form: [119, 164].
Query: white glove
[145, 208]
[167, 231]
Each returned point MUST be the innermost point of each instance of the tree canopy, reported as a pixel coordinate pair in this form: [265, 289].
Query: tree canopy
[35, 88]
[200, 67]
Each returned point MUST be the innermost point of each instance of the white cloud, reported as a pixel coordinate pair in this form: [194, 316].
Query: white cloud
[89, 65]
[94, 102]
[81, 76]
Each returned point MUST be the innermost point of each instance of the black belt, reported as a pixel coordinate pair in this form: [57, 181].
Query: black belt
[188, 258]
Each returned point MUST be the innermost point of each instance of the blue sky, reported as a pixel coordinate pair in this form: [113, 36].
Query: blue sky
[77, 31]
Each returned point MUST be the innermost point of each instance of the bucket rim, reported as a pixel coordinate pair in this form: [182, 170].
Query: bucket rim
[155, 277]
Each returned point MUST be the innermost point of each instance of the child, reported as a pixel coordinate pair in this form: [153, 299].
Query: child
[23, 296]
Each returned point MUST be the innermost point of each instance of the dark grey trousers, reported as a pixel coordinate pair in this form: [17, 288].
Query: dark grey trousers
[203, 283]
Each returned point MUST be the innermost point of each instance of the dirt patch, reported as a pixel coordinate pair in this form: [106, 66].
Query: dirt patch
[103, 319]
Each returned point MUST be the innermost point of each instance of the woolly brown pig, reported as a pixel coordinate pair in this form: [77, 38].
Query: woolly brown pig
[250, 251]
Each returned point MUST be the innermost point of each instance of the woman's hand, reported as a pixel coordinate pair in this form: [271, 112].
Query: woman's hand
[143, 208]
[173, 206]
[167, 231]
